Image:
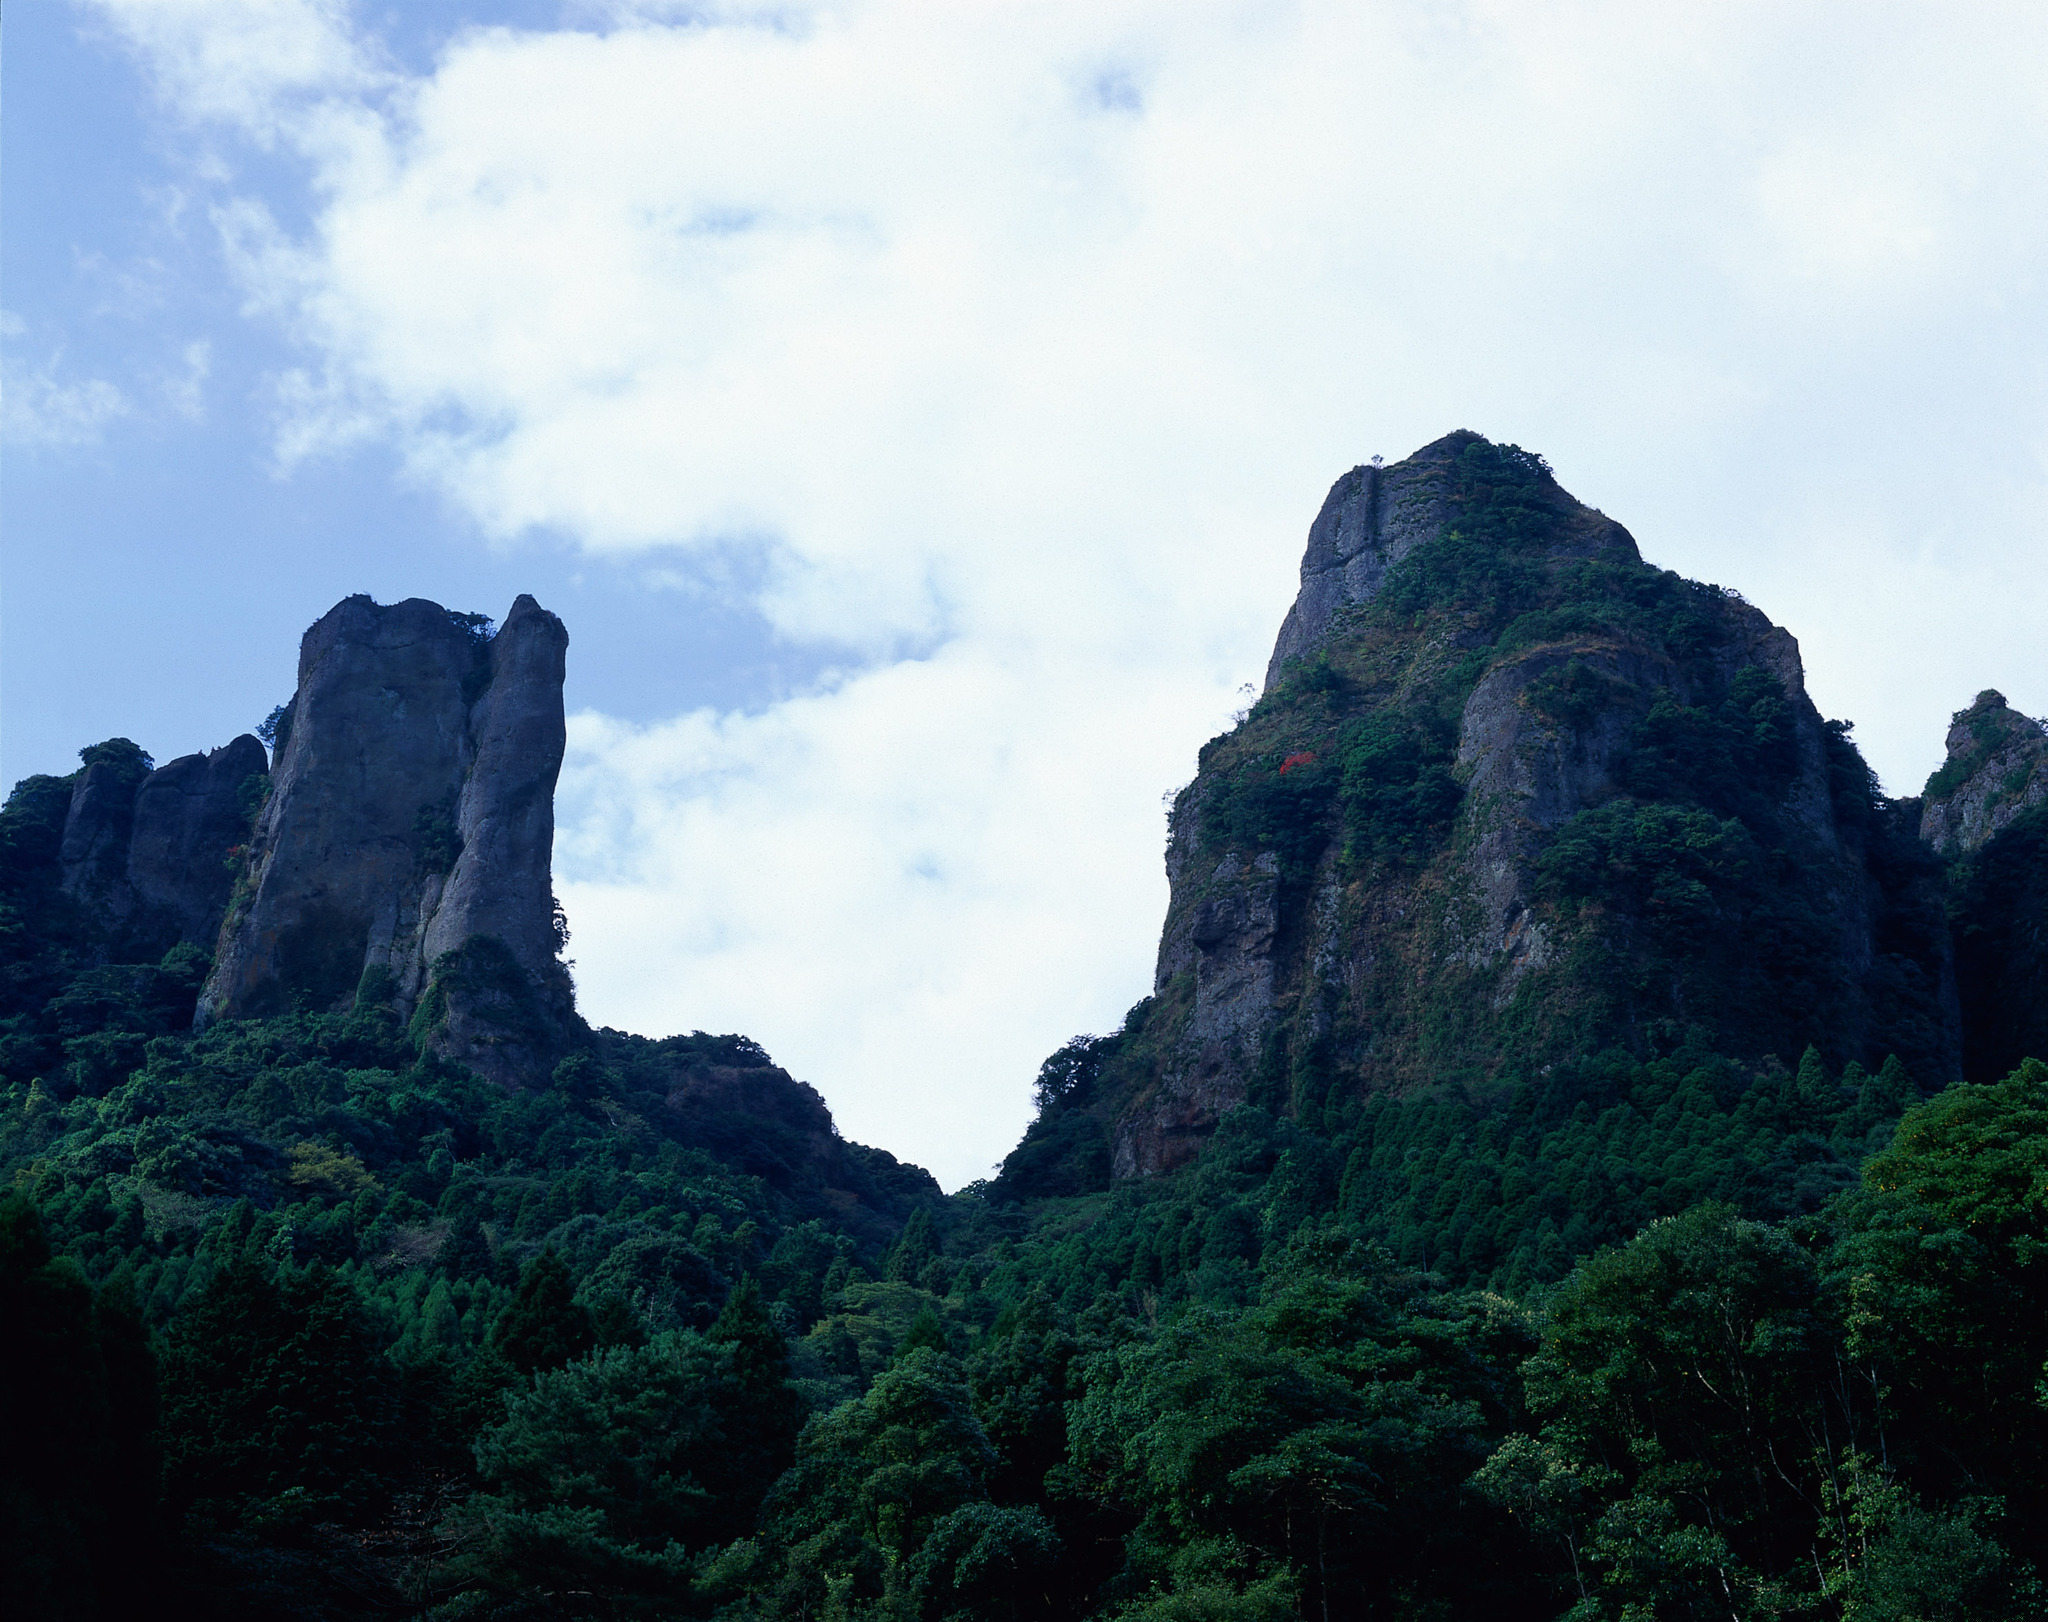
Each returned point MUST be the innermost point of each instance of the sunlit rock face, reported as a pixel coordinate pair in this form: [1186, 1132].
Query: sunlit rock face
[403, 854]
[1986, 810]
[1996, 771]
[1512, 796]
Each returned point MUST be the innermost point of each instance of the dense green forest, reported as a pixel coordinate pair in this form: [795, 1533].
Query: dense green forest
[300, 1320]
[298, 1323]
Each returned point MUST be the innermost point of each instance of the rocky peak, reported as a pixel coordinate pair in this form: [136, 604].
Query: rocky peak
[403, 855]
[191, 816]
[1374, 516]
[1997, 768]
[1512, 798]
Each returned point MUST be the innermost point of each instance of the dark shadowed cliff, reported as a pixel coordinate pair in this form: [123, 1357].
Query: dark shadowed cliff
[1986, 808]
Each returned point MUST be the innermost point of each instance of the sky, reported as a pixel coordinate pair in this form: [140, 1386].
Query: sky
[916, 413]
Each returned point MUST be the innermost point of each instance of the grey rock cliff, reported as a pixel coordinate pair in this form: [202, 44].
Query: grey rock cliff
[190, 816]
[154, 857]
[1997, 768]
[96, 831]
[403, 856]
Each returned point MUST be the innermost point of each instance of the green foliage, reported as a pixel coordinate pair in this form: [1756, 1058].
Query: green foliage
[1489, 560]
[128, 761]
[1277, 803]
[1991, 727]
[1737, 755]
[1397, 790]
[275, 729]
[1319, 1432]
[607, 1473]
[1614, 1330]
[873, 1479]
[1681, 1374]
[1686, 914]
[436, 841]
[275, 1393]
[914, 1252]
[1944, 1268]
[544, 1326]
[319, 1228]
[77, 1413]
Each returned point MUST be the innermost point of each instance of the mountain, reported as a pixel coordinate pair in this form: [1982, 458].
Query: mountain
[1514, 798]
[378, 897]
[1581, 1159]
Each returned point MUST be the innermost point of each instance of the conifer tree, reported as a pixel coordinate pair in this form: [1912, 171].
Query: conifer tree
[913, 1250]
[545, 1326]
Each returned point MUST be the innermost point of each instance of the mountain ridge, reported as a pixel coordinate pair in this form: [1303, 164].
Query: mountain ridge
[1523, 1073]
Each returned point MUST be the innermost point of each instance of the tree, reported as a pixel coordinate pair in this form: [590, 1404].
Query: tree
[544, 1326]
[871, 1481]
[763, 1412]
[274, 1385]
[593, 1484]
[907, 1261]
[1942, 1273]
[59, 1451]
[1690, 1418]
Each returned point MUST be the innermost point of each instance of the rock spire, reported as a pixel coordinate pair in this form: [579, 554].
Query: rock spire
[403, 854]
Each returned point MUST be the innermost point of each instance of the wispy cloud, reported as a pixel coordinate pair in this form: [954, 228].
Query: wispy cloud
[43, 409]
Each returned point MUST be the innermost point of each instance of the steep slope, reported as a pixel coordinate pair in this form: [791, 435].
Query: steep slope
[151, 852]
[1987, 809]
[1996, 772]
[1513, 798]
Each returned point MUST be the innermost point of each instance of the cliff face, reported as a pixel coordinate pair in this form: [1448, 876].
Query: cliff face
[403, 854]
[1986, 809]
[1996, 771]
[152, 853]
[1514, 797]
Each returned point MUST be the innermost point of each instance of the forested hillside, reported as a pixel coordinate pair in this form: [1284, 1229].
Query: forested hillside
[1667, 1271]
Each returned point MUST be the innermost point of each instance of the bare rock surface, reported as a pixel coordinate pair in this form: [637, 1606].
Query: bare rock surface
[1997, 768]
[96, 831]
[190, 817]
[152, 852]
[408, 834]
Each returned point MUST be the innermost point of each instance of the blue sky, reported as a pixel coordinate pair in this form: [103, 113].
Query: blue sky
[915, 412]
[158, 571]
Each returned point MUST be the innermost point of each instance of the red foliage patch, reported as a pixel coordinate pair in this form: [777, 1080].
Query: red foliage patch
[1306, 758]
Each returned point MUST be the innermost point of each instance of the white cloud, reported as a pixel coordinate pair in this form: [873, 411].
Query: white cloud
[185, 390]
[252, 63]
[42, 409]
[1027, 338]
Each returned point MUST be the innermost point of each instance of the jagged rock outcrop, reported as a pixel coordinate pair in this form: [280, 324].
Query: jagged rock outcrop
[1512, 797]
[96, 830]
[152, 852]
[190, 817]
[1996, 770]
[403, 855]
[1986, 810]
